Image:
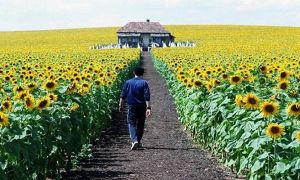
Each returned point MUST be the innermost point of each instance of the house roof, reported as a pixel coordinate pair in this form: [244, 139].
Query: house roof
[143, 27]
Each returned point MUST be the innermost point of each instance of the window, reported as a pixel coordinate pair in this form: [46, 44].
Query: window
[123, 40]
[135, 40]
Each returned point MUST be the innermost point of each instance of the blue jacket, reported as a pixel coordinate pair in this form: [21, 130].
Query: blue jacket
[136, 90]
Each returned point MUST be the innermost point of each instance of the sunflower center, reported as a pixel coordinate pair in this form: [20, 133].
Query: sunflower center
[275, 130]
[31, 86]
[23, 95]
[263, 68]
[97, 82]
[197, 83]
[28, 102]
[294, 108]
[283, 74]
[252, 100]
[283, 86]
[43, 104]
[85, 85]
[50, 85]
[19, 89]
[1, 120]
[6, 105]
[269, 108]
[225, 76]
[235, 79]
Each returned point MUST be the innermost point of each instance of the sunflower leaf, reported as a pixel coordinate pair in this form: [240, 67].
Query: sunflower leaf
[257, 166]
[280, 168]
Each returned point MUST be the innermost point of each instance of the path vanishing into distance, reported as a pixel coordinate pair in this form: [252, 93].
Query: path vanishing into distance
[168, 152]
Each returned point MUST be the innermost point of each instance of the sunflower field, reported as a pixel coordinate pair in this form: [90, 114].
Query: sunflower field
[238, 93]
[56, 95]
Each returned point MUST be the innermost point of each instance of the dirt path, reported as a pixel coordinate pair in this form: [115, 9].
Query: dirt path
[167, 153]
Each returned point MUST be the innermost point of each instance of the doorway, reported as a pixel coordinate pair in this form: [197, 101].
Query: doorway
[146, 40]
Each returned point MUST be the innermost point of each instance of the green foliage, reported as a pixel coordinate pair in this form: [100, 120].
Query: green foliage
[38, 145]
[236, 135]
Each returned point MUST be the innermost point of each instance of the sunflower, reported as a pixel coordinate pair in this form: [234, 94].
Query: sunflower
[18, 89]
[236, 79]
[251, 78]
[263, 69]
[189, 84]
[3, 119]
[293, 93]
[297, 136]
[239, 100]
[85, 88]
[284, 75]
[225, 76]
[197, 83]
[50, 85]
[7, 78]
[22, 94]
[72, 88]
[184, 80]
[74, 107]
[275, 130]
[216, 82]
[209, 85]
[283, 84]
[29, 101]
[32, 86]
[97, 82]
[109, 83]
[274, 97]
[251, 101]
[269, 108]
[6, 106]
[52, 97]
[86, 85]
[43, 103]
[294, 109]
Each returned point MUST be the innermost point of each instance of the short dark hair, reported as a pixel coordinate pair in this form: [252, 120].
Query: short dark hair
[139, 71]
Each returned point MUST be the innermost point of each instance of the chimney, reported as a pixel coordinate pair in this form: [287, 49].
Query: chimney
[148, 20]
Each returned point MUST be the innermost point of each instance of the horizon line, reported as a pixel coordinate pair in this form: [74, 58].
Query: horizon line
[117, 26]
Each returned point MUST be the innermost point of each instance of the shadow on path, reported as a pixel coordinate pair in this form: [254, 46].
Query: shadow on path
[107, 160]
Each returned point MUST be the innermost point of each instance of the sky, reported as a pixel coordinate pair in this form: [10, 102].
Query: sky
[62, 14]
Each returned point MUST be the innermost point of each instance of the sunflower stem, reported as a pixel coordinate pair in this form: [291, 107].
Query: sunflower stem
[275, 155]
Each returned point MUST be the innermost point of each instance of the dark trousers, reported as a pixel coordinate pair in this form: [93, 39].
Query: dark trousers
[136, 121]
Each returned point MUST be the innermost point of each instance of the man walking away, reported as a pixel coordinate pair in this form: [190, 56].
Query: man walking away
[137, 93]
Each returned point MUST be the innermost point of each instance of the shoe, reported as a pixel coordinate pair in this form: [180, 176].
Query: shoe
[134, 145]
[140, 145]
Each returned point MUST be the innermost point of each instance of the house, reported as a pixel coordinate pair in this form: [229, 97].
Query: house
[144, 34]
